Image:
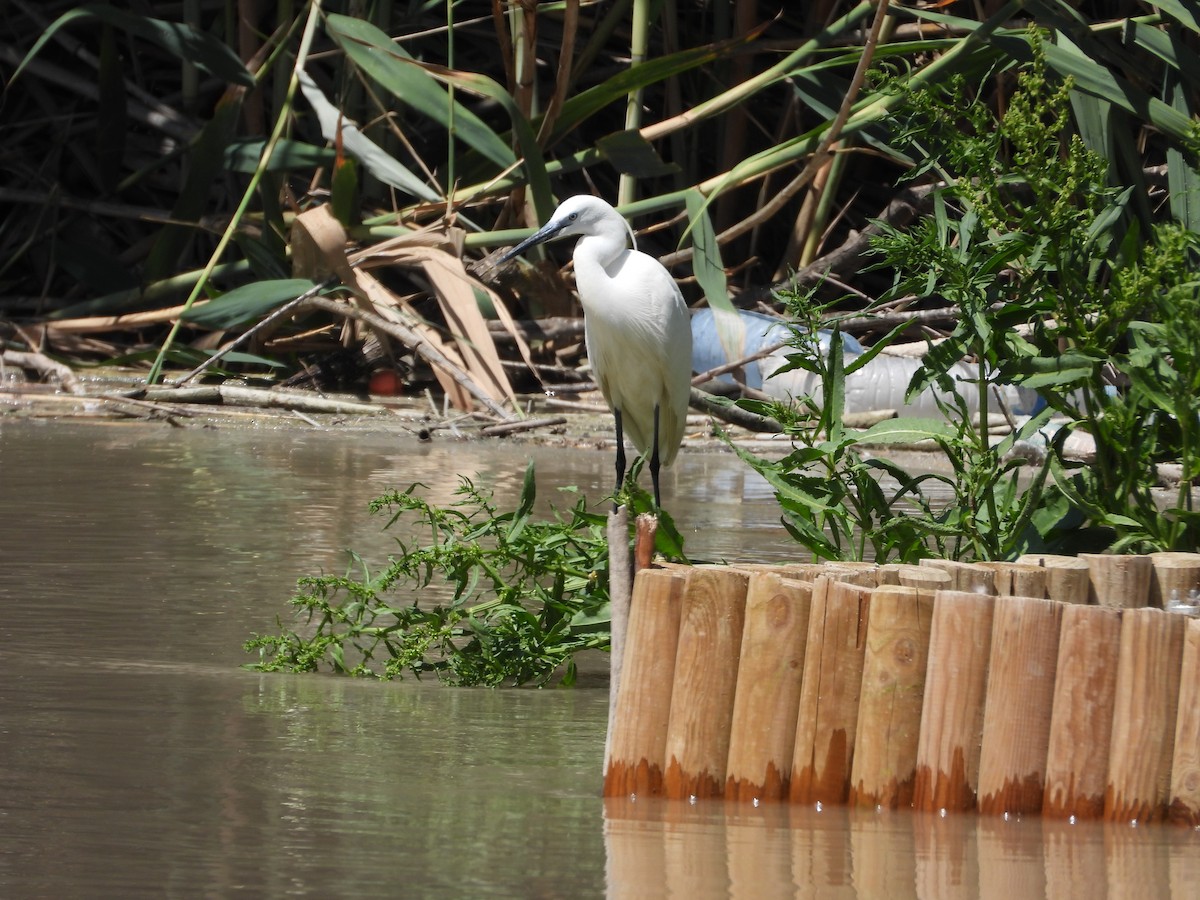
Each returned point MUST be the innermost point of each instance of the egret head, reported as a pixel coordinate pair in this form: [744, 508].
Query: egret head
[579, 215]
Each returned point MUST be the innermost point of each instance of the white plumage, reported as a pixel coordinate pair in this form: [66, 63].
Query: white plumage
[636, 325]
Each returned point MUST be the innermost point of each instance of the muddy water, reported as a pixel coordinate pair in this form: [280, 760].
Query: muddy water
[138, 759]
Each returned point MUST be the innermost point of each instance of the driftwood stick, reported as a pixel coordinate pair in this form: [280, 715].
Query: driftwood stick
[526, 425]
[44, 366]
[734, 415]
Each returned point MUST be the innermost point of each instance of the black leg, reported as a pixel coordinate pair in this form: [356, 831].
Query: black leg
[620, 456]
[654, 460]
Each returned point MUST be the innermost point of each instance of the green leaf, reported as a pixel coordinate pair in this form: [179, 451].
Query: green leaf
[1093, 78]
[396, 71]
[289, 156]
[1035, 372]
[907, 431]
[250, 301]
[183, 41]
[631, 154]
[706, 256]
[374, 158]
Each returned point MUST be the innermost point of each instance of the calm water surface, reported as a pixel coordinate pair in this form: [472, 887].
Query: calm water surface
[138, 759]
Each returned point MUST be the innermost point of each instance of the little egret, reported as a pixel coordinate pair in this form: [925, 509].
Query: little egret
[636, 328]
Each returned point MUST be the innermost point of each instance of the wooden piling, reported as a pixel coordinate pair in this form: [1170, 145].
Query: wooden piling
[1175, 577]
[862, 574]
[638, 730]
[706, 664]
[1144, 715]
[1068, 578]
[1020, 697]
[965, 576]
[1081, 718]
[828, 711]
[1019, 579]
[947, 776]
[923, 578]
[1184, 807]
[893, 689]
[763, 730]
[1119, 582]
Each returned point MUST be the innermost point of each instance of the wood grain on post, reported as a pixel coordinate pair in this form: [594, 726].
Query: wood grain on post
[1118, 581]
[893, 689]
[960, 641]
[1144, 715]
[1081, 719]
[706, 665]
[1174, 579]
[923, 578]
[828, 711]
[863, 574]
[763, 730]
[965, 576]
[638, 729]
[1184, 807]
[1020, 697]
[1068, 578]
[1018, 579]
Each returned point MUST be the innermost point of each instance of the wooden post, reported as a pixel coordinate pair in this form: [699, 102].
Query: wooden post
[763, 730]
[893, 688]
[965, 576]
[952, 709]
[1144, 716]
[828, 712]
[1020, 697]
[1184, 807]
[637, 741]
[645, 529]
[1067, 577]
[1018, 579]
[706, 664]
[863, 574]
[620, 596]
[1081, 719]
[1175, 578]
[924, 578]
[1119, 582]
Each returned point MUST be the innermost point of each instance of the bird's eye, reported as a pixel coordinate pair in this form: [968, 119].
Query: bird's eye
[572, 217]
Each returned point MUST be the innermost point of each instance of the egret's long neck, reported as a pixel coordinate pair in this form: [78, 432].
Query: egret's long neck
[596, 256]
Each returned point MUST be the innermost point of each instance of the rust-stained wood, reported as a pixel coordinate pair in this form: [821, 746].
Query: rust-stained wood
[706, 665]
[763, 730]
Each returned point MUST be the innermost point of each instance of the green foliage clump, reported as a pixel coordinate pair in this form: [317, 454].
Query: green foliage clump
[1061, 289]
[527, 596]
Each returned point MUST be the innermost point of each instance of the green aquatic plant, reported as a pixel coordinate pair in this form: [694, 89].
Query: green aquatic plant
[526, 594]
[1059, 288]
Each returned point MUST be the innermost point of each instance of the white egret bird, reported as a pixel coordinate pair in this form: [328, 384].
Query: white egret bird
[636, 327]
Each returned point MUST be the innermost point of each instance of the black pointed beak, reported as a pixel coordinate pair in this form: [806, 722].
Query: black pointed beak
[543, 234]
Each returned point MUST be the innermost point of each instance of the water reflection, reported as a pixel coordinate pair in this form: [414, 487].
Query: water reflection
[657, 848]
[137, 758]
